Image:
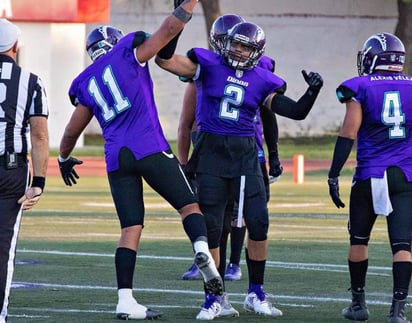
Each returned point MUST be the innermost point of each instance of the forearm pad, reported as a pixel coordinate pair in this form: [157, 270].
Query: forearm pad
[168, 51]
[341, 153]
[286, 107]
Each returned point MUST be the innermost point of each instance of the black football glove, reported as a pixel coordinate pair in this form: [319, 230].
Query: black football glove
[275, 169]
[313, 79]
[67, 171]
[334, 192]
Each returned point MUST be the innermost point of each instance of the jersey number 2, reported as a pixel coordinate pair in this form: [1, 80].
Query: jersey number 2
[233, 98]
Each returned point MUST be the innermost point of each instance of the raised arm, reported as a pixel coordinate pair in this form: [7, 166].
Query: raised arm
[169, 29]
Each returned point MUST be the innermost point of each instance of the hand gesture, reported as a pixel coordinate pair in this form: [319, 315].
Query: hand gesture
[313, 79]
[67, 171]
[334, 192]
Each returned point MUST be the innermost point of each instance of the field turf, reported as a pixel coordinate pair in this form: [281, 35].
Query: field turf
[65, 264]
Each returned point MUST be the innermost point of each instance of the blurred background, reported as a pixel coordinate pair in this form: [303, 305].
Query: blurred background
[315, 35]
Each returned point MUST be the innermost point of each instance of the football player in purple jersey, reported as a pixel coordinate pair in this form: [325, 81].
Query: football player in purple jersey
[379, 116]
[187, 131]
[117, 90]
[230, 89]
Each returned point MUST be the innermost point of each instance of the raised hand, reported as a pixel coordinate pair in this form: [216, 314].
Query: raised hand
[313, 79]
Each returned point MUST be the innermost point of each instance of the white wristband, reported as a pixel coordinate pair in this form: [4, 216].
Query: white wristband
[62, 160]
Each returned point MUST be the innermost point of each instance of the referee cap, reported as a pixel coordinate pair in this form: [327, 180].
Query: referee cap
[9, 33]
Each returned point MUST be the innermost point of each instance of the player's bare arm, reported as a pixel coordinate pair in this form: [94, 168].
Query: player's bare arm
[186, 123]
[78, 122]
[170, 28]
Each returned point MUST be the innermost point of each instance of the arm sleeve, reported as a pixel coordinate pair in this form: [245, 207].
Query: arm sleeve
[169, 49]
[341, 153]
[270, 129]
[289, 108]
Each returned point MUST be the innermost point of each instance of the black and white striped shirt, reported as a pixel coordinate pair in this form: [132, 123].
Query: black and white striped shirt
[22, 96]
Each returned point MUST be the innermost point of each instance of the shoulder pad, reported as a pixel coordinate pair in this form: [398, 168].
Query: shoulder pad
[344, 93]
[139, 38]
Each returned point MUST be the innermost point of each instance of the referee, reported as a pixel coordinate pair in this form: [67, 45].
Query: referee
[23, 124]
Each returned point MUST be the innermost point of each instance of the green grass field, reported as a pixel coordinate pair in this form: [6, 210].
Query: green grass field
[65, 265]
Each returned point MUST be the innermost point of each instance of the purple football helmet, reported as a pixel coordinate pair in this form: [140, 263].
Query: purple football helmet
[101, 41]
[219, 30]
[247, 34]
[382, 51]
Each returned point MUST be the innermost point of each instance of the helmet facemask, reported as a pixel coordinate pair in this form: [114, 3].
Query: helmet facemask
[248, 35]
[238, 60]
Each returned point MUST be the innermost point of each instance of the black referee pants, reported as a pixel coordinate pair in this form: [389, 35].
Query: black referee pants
[13, 185]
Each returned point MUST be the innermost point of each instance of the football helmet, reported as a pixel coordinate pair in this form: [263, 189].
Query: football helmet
[247, 34]
[101, 41]
[382, 51]
[219, 30]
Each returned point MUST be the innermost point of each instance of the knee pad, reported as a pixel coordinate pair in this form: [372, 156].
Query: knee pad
[359, 241]
[400, 245]
[213, 237]
[214, 230]
[257, 229]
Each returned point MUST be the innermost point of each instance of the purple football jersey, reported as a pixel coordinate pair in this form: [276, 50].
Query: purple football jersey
[228, 99]
[267, 63]
[385, 135]
[119, 92]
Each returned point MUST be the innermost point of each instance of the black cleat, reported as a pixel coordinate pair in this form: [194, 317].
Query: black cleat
[357, 310]
[397, 313]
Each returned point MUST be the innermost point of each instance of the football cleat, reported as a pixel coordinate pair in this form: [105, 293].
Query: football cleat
[211, 277]
[211, 308]
[131, 310]
[256, 302]
[227, 308]
[397, 313]
[233, 272]
[192, 273]
[357, 310]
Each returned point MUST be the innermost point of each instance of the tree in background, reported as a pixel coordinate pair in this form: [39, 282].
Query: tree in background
[404, 30]
[211, 10]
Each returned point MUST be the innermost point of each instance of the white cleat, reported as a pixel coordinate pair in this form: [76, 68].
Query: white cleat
[254, 304]
[210, 309]
[131, 310]
[211, 277]
[227, 309]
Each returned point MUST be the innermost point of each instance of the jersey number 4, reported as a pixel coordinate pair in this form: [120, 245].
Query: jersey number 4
[392, 114]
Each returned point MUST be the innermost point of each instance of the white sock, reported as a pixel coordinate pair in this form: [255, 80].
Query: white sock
[201, 246]
[125, 294]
